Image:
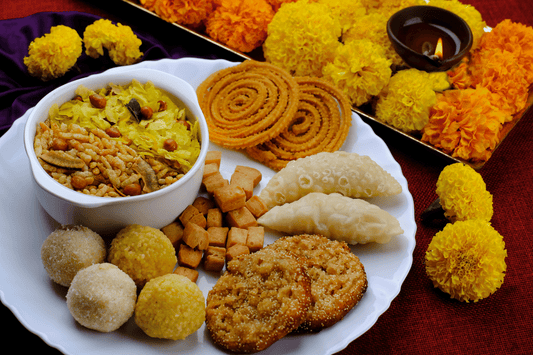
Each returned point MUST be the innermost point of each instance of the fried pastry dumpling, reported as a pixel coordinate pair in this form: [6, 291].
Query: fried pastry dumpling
[335, 216]
[349, 174]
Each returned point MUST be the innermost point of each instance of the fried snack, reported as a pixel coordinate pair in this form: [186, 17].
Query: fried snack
[338, 278]
[334, 216]
[102, 297]
[260, 298]
[349, 174]
[321, 124]
[248, 104]
[68, 249]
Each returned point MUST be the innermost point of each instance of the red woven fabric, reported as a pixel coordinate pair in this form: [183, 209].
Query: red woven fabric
[423, 320]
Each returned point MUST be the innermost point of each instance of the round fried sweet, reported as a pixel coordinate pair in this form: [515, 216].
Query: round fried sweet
[321, 124]
[170, 307]
[247, 104]
[69, 249]
[259, 299]
[102, 297]
[338, 278]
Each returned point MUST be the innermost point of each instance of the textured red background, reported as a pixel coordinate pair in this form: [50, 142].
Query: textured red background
[421, 320]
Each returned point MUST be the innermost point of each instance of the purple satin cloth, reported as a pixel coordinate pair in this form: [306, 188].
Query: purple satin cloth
[19, 91]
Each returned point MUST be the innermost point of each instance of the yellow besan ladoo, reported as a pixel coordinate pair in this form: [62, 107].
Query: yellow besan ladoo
[170, 307]
[143, 253]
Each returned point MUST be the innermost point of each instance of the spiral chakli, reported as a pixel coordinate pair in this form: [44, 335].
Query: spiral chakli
[320, 124]
[248, 104]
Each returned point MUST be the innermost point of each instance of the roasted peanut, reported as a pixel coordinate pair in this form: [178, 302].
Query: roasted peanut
[185, 123]
[132, 189]
[113, 132]
[98, 101]
[170, 145]
[162, 105]
[146, 112]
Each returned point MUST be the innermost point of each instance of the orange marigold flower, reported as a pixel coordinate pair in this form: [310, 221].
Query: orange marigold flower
[515, 38]
[148, 4]
[459, 76]
[183, 12]
[465, 124]
[499, 72]
[276, 4]
[240, 24]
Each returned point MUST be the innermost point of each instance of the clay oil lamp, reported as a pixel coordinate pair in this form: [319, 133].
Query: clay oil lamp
[429, 38]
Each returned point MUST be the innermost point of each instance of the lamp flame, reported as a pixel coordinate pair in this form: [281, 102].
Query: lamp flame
[438, 49]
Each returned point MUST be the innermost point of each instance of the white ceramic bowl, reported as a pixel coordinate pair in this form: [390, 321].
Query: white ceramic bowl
[107, 215]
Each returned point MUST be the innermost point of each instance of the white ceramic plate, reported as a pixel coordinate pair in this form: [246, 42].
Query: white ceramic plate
[40, 304]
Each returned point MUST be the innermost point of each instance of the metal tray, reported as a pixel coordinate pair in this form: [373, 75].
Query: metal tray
[257, 54]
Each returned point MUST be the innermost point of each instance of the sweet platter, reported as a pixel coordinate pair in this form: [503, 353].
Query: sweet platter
[365, 111]
[24, 225]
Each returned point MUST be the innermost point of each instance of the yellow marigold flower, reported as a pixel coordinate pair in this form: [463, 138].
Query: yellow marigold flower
[389, 7]
[360, 69]
[499, 72]
[183, 12]
[373, 27]
[347, 11]
[467, 260]
[406, 101]
[514, 38]
[465, 124]
[468, 13]
[463, 194]
[53, 54]
[302, 38]
[120, 41]
[240, 24]
[440, 80]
